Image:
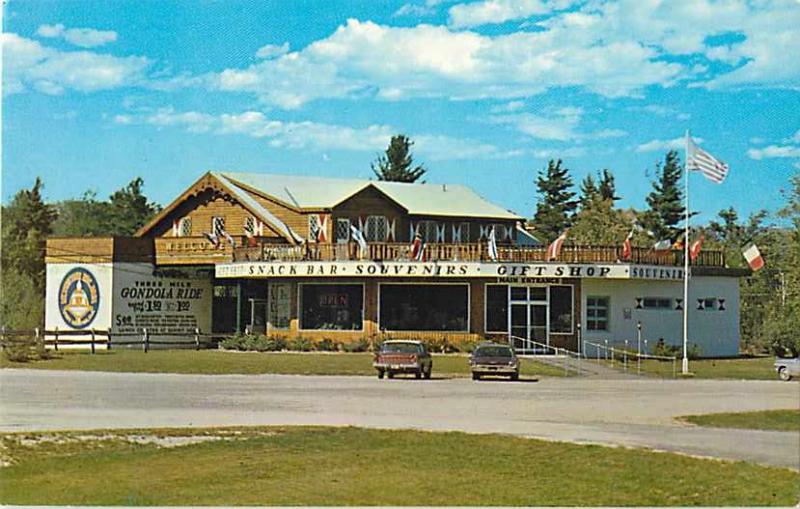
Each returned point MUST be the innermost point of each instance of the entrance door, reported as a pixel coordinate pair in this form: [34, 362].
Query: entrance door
[528, 318]
[258, 316]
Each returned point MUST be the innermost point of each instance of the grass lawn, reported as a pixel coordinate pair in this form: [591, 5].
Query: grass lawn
[776, 420]
[220, 362]
[352, 466]
[750, 368]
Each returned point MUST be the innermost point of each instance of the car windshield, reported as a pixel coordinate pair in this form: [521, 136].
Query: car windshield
[400, 348]
[494, 351]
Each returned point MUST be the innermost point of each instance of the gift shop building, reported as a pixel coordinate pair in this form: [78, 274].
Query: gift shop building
[345, 259]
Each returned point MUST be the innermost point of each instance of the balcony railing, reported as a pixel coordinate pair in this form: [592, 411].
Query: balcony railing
[470, 252]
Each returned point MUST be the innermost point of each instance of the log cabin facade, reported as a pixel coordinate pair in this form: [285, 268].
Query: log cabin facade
[335, 259]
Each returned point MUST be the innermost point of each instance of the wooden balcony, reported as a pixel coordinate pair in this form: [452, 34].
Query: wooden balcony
[470, 252]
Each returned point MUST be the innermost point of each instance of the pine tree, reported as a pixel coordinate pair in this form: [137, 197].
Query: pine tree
[607, 188]
[666, 200]
[27, 221]
[129, 209]
[397, 164]
[555, 207]
[589, 193]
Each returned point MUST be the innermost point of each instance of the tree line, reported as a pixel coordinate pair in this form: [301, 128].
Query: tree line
[770, 299]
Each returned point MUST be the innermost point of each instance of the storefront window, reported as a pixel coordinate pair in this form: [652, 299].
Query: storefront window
[496, 308]
[279, 305]
[424, 307]
[561, 309]
[331, 307]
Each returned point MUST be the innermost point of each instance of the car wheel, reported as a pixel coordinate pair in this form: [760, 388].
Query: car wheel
[783, 374]
[418, 374]
[380, 373]
[476, 376]
[428, 373]
[515, 377]
[389, 374]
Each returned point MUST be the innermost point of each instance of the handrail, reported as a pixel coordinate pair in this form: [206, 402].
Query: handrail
[398, 251]
[568, 354]
[625, 354]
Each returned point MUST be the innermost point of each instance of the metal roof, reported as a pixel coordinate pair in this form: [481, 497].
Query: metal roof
[418, 199]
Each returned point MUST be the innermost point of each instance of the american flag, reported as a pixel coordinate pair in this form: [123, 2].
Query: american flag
[698, 159]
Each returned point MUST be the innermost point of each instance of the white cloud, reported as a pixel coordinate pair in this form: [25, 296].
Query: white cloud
[554, 153]
[272, 50]
[28, 64]
[439, 147]
[499, 11]
[83, 37]
[314, 135]
[774, 151]
[428, 8]
[508, 107]
[661, 145]
[365, 58]
[794, 138]
[560, 125]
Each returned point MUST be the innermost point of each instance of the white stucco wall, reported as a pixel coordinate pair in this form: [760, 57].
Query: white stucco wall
[715, 332]
[103, 274]
[132, 297]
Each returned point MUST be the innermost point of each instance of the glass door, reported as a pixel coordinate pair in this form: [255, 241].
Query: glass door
[528, 319]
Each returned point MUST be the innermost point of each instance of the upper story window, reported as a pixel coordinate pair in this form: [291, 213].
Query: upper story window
[429, 231]
[184, 227]
[342, 229]
[465, 233]
[217, 225]
[250, 225]
[377, 228]
[314, 226]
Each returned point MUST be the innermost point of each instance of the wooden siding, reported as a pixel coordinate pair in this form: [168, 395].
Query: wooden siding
[98, 250]
[371, 202]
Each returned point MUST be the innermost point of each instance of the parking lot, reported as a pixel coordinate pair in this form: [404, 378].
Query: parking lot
[638, 412]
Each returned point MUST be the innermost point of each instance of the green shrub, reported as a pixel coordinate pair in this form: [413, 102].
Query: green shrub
[301, 344]
[362, 344]
[253, 343]
[693, 351]
[326, 345]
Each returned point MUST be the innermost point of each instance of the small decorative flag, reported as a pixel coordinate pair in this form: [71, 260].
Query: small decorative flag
[663, 245]
[554, 249]
[698, 159]
[753, 257]
[359, 238]
[678, 244]
[228, 238]
[418, 248]
[694, 249]
[213, 238]
[626, 247]
[492, 245]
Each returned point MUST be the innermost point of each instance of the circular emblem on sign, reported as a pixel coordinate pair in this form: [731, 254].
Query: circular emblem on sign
[78, 298]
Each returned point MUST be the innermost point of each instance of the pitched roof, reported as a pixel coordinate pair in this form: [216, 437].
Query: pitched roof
[304, 192]
[258, 209]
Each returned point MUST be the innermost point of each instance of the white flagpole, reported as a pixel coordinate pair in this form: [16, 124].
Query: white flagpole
[685, 363]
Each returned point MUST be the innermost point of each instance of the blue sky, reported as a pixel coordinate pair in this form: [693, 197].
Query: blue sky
[98, 93]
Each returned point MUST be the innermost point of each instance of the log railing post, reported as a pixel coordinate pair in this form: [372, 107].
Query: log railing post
[197, 338]
[93, 336]
[145, 340]
[55, 338]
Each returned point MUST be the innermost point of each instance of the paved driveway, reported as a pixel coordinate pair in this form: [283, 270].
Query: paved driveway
[618, 412]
